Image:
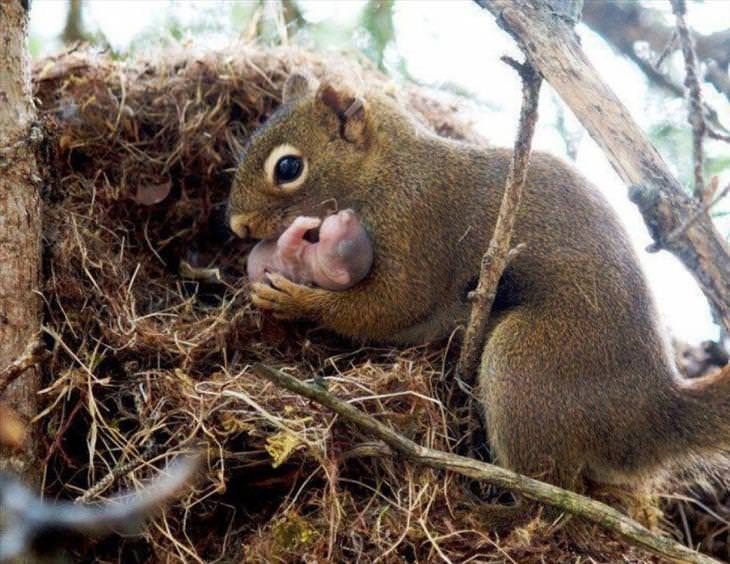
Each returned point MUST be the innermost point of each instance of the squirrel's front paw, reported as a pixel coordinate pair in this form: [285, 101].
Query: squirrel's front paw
[284, 298]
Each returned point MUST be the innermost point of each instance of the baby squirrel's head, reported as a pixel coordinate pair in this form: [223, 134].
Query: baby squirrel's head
[301, 161]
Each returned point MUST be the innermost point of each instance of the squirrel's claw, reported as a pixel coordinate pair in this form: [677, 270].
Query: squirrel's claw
[284, 298]
[258, 290]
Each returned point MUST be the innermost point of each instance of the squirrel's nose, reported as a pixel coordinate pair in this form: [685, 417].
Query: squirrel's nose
[239, 224]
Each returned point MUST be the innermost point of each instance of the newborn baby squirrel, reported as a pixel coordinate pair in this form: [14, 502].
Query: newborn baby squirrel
[341, 257]
[577, 380]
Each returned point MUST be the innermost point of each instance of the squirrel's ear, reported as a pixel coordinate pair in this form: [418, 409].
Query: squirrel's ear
[351, 111]
[297, 85]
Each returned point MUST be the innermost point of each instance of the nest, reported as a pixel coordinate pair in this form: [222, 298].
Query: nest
[153, 336]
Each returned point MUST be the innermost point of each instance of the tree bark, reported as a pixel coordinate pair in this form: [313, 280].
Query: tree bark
[19, 227]
[552, 47]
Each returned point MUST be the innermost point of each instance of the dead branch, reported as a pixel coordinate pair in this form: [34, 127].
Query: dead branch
[714, 134]
[551, 45]
[113, 475]
[692, 82]
[623, 24]
[498, 253]
[668, 50]
[33, 355]
[30, 522]
[571, 502]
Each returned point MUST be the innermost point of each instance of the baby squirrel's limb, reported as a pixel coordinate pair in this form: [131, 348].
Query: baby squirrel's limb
[291, 244]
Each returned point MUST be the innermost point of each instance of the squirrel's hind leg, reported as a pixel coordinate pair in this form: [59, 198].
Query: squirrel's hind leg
[532, 422]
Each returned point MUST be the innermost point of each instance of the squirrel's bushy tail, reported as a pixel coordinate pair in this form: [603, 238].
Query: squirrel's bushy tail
[701, 413]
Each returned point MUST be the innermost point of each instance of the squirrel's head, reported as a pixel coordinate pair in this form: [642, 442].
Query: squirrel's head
[301, 161]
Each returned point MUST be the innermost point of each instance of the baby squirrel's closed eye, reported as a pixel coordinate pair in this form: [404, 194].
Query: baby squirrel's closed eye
[345, 248]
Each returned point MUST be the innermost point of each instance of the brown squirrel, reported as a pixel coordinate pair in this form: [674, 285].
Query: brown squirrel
[577, 380]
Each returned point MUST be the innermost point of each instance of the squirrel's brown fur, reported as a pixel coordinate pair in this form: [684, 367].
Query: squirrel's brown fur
[577, 380]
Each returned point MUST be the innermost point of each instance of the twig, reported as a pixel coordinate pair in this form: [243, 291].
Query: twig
[714, 134]
[692, 82]
[668, 48]
[32, 355]
[679, 231]
[665, 81]
[576, 504]
[114, 474]
[498, 253]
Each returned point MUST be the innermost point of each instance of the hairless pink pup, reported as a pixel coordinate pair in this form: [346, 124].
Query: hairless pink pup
[340, 259]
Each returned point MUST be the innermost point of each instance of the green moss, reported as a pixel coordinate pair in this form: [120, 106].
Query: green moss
[280, 446]
[293, 532]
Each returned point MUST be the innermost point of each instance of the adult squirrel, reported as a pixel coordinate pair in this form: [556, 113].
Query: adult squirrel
[577, 380]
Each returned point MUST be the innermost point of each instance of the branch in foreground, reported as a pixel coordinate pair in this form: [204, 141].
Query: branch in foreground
[552, 47]
[498, 254]
[31, 523]
[576, 504]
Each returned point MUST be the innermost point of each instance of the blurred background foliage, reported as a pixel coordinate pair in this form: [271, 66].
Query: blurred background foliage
[364, 26]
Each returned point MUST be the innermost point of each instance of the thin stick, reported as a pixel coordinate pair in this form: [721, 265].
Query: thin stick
[714, 134]
[691, 81]
[668, 48]
[32, 355]
[576, 504]
[498, 253]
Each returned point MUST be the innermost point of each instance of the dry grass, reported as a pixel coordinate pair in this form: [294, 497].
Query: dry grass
[151, 352]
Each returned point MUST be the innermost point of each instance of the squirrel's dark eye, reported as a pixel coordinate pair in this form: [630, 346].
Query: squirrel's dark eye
[288, 168]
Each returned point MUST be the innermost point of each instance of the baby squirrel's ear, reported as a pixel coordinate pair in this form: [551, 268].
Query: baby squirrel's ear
[298, 84]
[351, 111]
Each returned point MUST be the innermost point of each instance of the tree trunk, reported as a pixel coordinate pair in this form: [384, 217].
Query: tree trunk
[73, 32]
[19, 227]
